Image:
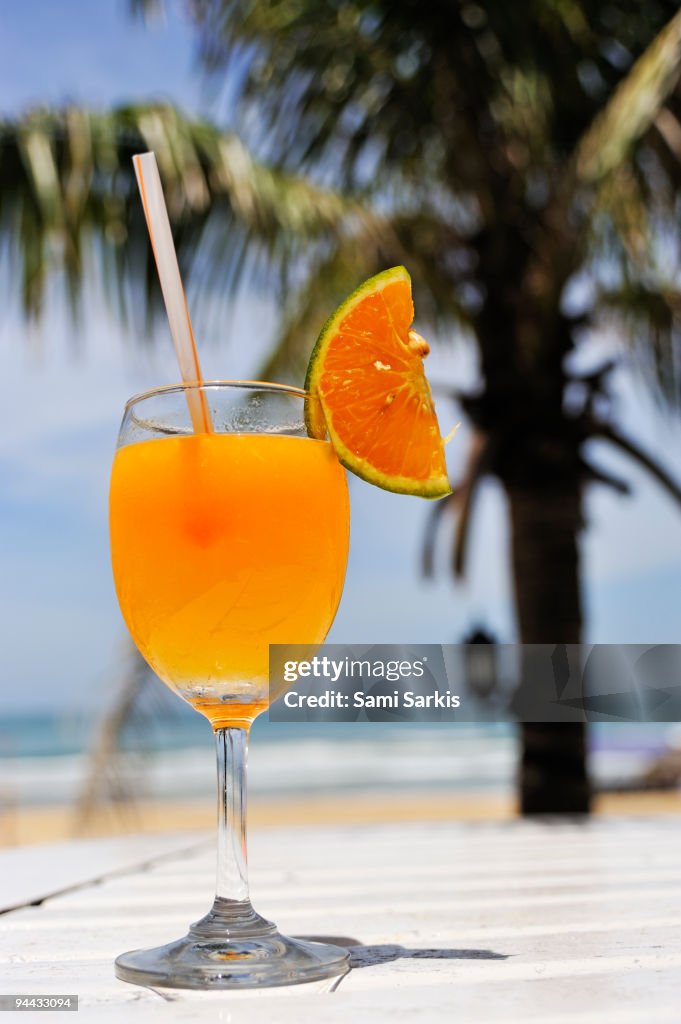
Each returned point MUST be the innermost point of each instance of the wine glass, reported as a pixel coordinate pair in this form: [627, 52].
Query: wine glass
[222, 543]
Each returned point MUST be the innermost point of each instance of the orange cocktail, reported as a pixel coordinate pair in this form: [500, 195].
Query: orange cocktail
[229, 532]
[222, 544]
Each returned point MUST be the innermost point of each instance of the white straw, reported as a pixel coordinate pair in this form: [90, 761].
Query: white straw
[156, 213]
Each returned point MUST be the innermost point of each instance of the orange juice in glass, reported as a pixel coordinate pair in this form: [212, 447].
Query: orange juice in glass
[223, 543]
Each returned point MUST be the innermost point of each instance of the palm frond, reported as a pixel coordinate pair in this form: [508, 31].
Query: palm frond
[633, 108]
[592, 473]
[648, 318]
[325, 285]
[435, 515]
[460, 504]
[105, 779]
[66, 181]
[415, 239]
[650, 464]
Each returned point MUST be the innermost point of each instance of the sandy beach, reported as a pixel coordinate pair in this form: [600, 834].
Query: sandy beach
[28, 825]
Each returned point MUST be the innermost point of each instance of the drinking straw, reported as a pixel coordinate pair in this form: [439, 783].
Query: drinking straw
[156, 213]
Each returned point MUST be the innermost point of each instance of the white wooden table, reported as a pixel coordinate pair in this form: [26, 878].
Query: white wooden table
[561, 924]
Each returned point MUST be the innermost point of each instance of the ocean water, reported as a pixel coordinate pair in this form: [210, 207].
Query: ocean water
[44, 759]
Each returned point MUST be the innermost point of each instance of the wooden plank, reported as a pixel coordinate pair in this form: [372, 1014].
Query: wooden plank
[29, 874]
[560, 926]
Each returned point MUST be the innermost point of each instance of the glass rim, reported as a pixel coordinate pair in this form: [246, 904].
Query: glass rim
[253, 385]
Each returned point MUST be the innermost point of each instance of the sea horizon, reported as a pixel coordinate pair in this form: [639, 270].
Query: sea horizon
[44, 756]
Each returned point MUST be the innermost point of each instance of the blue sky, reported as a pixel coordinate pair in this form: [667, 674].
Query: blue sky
[62, 632]
[93, 53]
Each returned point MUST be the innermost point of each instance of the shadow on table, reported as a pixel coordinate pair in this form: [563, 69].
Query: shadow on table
[370, 956]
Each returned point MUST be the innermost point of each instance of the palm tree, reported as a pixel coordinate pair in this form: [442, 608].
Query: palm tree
[501, 157]
[534, 151]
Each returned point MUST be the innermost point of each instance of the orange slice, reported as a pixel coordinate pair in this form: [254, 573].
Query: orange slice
[369, 390]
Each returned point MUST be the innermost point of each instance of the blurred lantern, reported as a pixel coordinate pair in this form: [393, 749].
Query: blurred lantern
[480, 663]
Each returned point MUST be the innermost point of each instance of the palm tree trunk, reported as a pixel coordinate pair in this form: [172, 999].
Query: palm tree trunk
[545, 525]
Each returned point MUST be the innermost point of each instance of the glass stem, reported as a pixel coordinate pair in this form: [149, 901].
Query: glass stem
[231, 915]
[232, 867]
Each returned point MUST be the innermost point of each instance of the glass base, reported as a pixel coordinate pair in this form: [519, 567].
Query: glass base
[247, 954]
